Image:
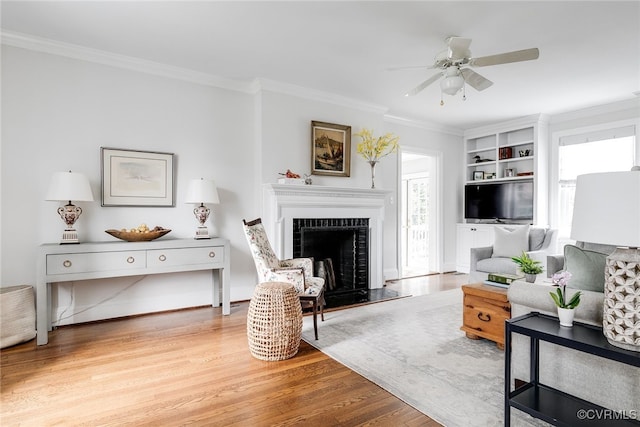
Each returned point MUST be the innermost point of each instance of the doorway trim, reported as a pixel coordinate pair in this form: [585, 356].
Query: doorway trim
[435, 262]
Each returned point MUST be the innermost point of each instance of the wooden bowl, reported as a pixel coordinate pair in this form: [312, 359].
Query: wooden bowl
[139, 237]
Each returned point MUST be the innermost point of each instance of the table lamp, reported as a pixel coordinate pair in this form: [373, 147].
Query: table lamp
[607, 210]
[202, 191]
[68, 186]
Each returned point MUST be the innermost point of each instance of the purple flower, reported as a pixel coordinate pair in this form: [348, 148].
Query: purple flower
[561, 279]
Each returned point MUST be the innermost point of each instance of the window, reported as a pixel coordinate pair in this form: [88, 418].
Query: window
[604, 151]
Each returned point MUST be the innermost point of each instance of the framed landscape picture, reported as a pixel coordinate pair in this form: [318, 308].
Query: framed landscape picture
[330, 149]
[136, 178]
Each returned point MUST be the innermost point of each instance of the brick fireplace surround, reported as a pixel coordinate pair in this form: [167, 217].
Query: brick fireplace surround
[283, 203]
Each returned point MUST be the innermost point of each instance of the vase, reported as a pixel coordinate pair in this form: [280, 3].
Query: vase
[530, 278]
[566, 316]
[373, 164]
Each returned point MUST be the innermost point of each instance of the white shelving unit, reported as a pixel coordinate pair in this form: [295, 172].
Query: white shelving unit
[516, 150]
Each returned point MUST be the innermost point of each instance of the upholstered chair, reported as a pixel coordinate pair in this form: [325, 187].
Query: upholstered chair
[298, 271]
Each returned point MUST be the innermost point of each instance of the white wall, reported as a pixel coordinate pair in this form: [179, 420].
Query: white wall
[57, 112]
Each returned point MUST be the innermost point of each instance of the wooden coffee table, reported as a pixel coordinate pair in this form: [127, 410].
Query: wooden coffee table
[485, 310]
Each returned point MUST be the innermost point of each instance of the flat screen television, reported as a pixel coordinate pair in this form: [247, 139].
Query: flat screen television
[504, 200]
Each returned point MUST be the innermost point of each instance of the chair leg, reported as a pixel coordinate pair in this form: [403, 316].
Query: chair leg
[322, 303]
[315, 317]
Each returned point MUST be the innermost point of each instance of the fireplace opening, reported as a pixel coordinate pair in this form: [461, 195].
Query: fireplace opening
[340, 249]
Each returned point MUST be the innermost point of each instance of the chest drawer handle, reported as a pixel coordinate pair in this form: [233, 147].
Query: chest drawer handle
[212, 254]
[484, 317]
[162, 258]
[66, 263]
[131, 260]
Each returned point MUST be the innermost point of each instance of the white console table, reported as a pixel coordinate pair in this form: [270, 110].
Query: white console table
[86, 261]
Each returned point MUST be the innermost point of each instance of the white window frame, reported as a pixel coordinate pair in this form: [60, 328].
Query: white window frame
[554, 173]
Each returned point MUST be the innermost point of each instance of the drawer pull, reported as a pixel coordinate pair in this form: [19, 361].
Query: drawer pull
[212, 254]
[66, 263]
[162, 258]
[484, 317]
[131, 260]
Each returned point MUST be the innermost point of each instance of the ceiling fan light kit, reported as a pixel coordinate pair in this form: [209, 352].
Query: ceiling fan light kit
[453, 63]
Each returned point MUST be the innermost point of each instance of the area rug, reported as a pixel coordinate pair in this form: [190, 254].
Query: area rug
[414, 349]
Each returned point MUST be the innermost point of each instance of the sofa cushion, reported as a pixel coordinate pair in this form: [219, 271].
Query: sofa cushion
[510, 242]
[497, 265]
[586, 268]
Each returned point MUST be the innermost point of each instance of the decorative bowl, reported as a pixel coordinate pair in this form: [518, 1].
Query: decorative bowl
[130, 236]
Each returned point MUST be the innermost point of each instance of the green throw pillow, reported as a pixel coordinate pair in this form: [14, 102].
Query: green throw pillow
[586, 268]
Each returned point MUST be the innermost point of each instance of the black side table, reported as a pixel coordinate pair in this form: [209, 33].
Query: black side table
[546, 403]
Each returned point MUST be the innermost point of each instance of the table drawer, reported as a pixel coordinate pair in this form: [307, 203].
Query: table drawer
[211, 256]
[94, 262]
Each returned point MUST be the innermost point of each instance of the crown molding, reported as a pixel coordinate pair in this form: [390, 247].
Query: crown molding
[39, 44]
[262, 84]
[631, 104]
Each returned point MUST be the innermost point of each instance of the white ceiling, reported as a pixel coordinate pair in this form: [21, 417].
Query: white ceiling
[589, 51]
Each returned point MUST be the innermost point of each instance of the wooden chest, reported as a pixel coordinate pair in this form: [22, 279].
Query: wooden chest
[485, 310]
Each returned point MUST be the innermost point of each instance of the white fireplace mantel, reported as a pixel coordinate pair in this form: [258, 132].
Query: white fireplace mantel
[285, 202]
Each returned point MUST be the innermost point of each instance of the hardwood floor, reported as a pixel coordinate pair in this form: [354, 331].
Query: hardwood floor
[188, 367]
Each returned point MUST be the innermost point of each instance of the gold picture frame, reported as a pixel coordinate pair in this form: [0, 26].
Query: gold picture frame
[330, 149]
[137, 178]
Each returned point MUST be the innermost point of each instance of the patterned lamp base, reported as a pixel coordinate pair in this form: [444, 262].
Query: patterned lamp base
[621, 317]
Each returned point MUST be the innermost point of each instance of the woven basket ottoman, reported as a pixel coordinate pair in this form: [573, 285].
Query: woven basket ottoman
[274, 321]
[17, 315]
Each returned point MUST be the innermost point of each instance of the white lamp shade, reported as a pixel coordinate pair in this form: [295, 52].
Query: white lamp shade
[451, 84]
[606, 209]
[202, 191]
[68, 186]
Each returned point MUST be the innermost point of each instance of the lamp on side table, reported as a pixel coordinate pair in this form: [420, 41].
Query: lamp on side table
[607, 210]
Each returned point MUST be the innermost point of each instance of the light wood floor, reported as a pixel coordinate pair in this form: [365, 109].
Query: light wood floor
[190, 367]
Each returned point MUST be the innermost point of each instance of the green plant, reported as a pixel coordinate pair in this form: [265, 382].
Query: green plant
[527, 264]
[560, 295]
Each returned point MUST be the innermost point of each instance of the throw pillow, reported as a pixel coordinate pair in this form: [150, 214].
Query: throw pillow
[586, 268]
[510, 242]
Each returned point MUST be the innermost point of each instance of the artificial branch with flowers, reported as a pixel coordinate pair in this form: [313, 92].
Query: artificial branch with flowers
[373, 149]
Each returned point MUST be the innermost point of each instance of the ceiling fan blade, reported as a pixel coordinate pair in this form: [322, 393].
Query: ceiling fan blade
[475, 80]
[423, 85]
[505, 58]
[458, 47]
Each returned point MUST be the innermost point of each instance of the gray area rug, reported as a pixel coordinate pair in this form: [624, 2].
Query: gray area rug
[414, 348]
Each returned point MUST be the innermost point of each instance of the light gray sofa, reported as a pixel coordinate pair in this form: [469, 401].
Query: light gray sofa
[541, 241]
[607, 383]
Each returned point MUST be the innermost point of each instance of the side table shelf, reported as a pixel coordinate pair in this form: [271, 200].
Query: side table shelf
[551, 405]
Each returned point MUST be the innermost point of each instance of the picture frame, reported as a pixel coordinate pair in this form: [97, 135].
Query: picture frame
[137, 178]
[330, 149]
[478, 175]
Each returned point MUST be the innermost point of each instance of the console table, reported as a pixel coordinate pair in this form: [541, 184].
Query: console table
[86, 261]
[551, 405]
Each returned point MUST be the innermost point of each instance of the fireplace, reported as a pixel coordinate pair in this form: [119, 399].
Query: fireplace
[285, 205]
[340, 249]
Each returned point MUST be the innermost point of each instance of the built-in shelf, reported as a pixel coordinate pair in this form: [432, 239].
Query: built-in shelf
[525, 143]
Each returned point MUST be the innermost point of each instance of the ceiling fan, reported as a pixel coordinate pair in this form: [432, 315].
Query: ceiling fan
[454, 61]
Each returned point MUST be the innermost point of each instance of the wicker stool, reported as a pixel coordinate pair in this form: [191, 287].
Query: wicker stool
[274, 321]
[17, 315]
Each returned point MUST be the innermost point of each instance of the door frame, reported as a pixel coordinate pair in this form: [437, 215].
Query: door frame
[435, 214]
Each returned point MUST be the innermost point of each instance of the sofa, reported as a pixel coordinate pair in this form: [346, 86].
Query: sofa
[607, 383]
[538, 243]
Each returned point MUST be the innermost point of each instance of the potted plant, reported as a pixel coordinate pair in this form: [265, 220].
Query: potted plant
[565, 308]
[530, 267]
